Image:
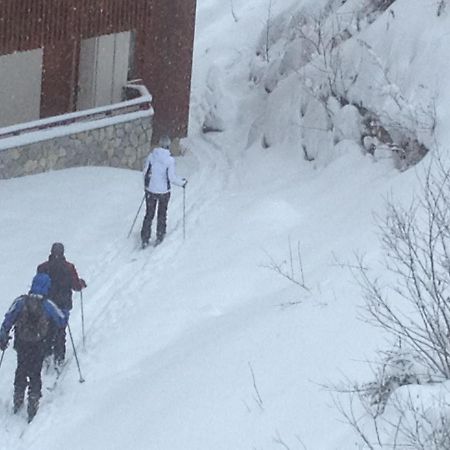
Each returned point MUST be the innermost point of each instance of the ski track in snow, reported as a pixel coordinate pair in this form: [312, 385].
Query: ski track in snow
[122, 270]
[133, 267]
[130, 264]
[172, 331]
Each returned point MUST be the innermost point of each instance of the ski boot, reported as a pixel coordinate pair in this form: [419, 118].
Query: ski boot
[33, 405]
[17, 401]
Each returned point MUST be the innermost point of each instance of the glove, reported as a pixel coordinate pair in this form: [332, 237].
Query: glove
[66, 313]
[3, 345]
[4, 341]
[184, 182]
[147, 177]
[83, 283]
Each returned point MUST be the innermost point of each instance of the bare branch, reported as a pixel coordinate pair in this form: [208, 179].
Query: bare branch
[255, 387]
[291, 270]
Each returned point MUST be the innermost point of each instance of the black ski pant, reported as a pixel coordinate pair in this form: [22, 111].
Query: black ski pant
[30, 357]
[56, 343]
[153, 202]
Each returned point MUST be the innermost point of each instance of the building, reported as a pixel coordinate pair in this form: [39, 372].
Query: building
[61, 56]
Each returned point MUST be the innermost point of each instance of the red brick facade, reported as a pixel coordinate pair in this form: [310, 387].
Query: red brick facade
[164, 31]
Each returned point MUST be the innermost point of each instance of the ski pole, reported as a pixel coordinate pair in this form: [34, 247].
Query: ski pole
[1, 359]
[82, 320]
[81, 380]
[137, 214]
[3, 352]
[184, 212]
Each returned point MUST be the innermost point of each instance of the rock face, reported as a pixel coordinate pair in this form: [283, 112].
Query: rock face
[123, 145]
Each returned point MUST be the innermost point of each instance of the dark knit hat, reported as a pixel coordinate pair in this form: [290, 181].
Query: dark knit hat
[57, 249]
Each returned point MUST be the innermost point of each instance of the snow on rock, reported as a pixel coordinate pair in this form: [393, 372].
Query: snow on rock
[219, 110]
[348, 124]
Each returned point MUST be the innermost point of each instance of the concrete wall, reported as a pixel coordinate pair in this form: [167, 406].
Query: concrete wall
[124, 145]
[20, 87]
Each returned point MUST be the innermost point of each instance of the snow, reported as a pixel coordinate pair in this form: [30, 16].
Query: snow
[197, 344]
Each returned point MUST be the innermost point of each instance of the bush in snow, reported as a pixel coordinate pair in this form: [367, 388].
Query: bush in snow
[397, 367]
[290, 268]
[413, 307]
[416, 418]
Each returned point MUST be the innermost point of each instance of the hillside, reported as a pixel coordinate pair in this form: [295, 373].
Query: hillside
[239, 336]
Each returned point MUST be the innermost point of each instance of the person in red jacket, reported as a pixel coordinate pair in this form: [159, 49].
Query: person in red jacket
[65, 279]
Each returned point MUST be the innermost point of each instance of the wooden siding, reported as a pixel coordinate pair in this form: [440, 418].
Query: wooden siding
[29, 24]
[171, 49]
[164, 31]
[59, 79]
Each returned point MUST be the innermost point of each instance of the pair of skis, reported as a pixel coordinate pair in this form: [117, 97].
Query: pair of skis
[144, 245]
[58, 370]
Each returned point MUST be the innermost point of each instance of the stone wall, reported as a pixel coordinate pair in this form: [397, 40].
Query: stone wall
[123, 144]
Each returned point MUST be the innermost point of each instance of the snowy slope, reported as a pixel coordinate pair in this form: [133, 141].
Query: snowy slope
[174, 333]
[196, 345]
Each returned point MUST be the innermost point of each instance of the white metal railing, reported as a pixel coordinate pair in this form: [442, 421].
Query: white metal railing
[140, 103]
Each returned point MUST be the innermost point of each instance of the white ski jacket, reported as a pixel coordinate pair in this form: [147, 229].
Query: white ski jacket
[162, 171]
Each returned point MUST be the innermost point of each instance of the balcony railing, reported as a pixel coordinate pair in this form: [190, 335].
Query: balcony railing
[140, 100]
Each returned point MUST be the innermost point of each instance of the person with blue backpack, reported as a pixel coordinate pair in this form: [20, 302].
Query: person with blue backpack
[31, 315]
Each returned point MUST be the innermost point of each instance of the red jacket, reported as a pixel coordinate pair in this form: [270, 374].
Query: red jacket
[64, 279]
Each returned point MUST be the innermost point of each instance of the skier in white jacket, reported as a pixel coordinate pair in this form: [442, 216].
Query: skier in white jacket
[159, 174]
